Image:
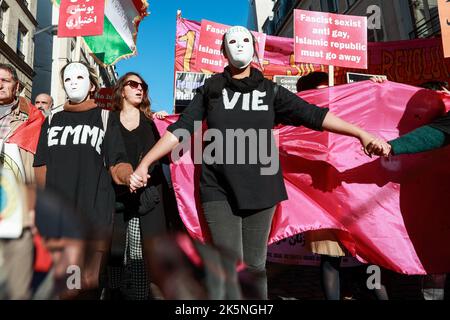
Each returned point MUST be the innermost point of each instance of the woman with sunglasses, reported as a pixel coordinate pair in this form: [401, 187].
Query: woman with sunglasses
[239, 199]
[79, 150]
[143, 211]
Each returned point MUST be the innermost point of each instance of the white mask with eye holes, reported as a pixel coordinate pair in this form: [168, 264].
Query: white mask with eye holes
[239, 47]
[76, 82]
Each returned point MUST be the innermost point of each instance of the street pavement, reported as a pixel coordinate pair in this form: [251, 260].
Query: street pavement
[291, 282]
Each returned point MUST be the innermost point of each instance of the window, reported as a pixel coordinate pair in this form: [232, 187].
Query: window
[25, 2]
[329, 6]
[333, 6]
[350, 3]
[434, 24]
[3, 22]
[22, 33]
[426, 18]
[72, 50]
[375, 35]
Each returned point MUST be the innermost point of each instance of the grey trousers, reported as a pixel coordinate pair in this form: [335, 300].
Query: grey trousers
[244, 234]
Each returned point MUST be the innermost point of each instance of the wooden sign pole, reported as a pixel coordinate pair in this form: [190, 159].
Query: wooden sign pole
[331, 76]
[77, 49]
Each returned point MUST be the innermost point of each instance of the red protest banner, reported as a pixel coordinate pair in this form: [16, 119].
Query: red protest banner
[330, 39]
[407, 61]
[209, 56]
[444, 16]
[104, 98]
[81, 18]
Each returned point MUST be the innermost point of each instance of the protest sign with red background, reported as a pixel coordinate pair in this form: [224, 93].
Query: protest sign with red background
[209, 56]
[444, 16]
[81, 18]
[330, 39]
[104, 98]
[406, 61]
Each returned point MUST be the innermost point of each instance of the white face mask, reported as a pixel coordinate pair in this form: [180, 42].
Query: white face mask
[239, 47]
[76, 82]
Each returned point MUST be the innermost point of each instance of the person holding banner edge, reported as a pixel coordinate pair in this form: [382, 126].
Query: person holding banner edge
[428, 137]
[238, 200]
[325, 242]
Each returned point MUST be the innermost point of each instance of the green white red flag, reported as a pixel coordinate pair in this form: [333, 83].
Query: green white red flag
[121, 22]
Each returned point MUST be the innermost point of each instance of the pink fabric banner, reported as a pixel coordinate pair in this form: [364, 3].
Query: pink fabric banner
[390, 212]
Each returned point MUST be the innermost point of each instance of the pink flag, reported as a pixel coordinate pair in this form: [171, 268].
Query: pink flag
[393, 213]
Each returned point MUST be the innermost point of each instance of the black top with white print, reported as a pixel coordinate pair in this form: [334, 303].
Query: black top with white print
[235, 164]
[77, 153]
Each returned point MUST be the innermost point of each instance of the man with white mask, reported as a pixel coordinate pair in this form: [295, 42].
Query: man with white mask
[239, 199]
[79, 150]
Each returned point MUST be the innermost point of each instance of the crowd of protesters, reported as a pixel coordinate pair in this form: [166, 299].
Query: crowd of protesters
[94, 187]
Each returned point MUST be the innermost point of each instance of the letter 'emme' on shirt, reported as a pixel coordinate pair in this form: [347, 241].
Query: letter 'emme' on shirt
[81, 134]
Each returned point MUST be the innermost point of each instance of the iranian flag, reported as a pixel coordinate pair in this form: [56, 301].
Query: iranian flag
[121, 22]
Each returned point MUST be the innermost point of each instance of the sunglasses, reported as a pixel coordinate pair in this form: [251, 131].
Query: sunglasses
[134, 84]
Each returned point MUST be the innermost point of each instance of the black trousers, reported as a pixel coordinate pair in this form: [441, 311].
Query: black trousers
[244, 234]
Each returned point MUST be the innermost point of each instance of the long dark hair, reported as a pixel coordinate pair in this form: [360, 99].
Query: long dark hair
[144, 106]
[312, 80]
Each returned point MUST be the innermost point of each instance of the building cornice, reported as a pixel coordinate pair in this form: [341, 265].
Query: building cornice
[15, 60]
[27, 12]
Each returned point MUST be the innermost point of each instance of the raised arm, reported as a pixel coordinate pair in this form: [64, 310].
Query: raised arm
[370, 144]
[419, 140]
[293, 110]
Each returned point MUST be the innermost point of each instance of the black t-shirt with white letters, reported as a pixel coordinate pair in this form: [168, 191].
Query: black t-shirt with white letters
[77, 153]
[235, 174]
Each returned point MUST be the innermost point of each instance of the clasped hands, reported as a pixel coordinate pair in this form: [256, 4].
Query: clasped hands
[375, 146]
[370, 145]
[139, 178]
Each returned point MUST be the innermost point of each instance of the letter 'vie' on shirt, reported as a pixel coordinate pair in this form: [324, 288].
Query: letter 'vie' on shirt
[232, 114]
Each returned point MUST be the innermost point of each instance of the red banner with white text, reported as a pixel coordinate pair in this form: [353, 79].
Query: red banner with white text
[408, 61]
[81, 18]
[330, 39]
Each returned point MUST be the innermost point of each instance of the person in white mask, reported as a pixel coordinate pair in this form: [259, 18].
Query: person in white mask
[79, 150]
[239, 199]
[239, 48]
[76, 82]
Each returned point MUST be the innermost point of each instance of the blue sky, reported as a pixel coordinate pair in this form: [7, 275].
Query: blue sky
[156, 41]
